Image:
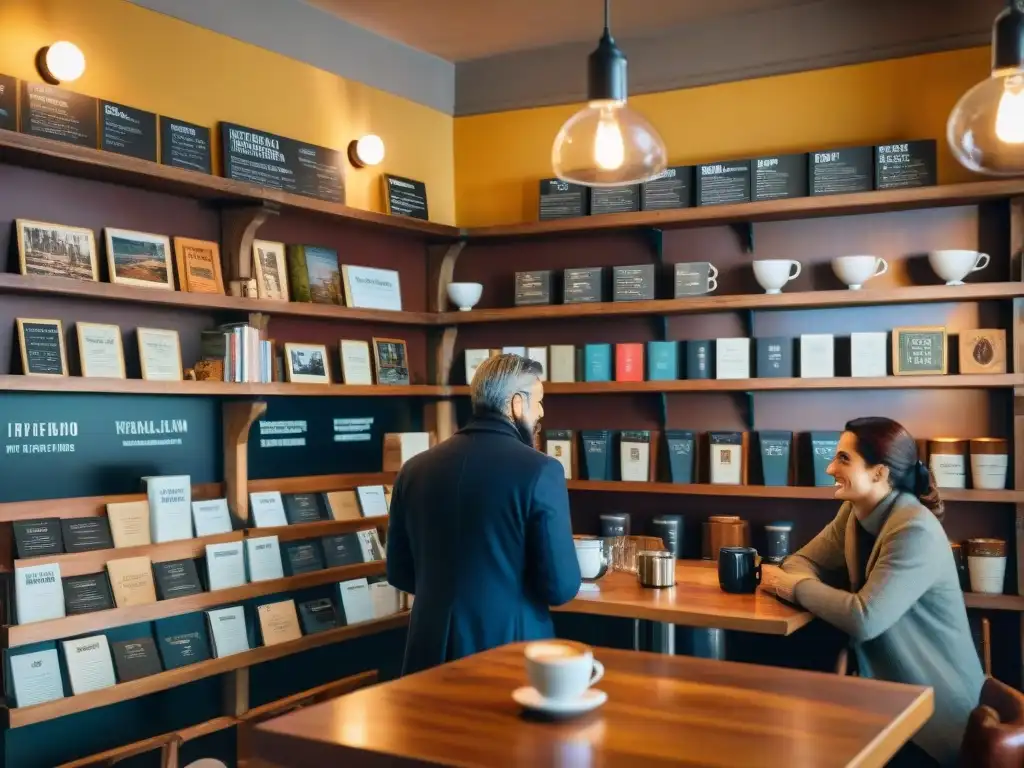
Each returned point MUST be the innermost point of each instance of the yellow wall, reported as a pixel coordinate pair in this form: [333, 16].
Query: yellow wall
[500, 157]
[146, 60]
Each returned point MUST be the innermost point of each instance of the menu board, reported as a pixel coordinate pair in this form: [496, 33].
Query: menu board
[405, 197]
[54, 113]
[561, 200]
[127, 131]
[672, 188]
[43, 353]
[185, 145]
[276, 162]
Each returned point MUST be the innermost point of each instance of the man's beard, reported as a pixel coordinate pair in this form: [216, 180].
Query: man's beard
[527, 433]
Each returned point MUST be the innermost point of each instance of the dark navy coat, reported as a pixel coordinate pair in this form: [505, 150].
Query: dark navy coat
[480, 534]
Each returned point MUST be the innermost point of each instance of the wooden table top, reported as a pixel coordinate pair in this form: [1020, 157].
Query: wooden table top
[695, 601]
[661, 710]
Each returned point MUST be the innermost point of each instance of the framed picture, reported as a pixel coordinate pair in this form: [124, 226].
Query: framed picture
[100, 351]
[317, 275]
[919, 351]
[138, 258]
[391, 360]
[271, 270]
[159, 354]
[307, 363]
[42, 347]
[198, 265]
[55, 250]
[355, 362]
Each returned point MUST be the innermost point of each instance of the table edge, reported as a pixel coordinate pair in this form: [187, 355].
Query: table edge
[690, 618]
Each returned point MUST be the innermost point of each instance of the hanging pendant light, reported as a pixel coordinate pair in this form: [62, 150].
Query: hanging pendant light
[986, 127]
[607, 144]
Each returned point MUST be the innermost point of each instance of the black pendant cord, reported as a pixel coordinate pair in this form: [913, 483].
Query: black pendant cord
[608, 15]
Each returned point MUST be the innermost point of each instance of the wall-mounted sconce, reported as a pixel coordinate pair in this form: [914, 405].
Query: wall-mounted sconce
[62, 62]
[369, 150]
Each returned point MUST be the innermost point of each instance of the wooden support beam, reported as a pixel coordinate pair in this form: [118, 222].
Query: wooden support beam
[238, 419]
[238, 228]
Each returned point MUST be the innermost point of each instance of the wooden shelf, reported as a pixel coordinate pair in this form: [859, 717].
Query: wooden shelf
[21, 716]
[58, 157]
[882, 201]
[97, 621]
[917, 294]
[94, 561]
[17, 284]
[771, 491]
[15, 383]
[994, 602]
[980, 381]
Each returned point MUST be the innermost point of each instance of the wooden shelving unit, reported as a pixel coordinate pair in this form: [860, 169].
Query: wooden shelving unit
[212, 388]
[18, 717]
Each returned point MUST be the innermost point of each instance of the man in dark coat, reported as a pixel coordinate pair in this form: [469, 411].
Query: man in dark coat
[480, 531]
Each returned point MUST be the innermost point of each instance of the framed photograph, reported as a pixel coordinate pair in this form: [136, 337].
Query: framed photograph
[159, 354]
[391, 359]
[355, 362]
[42, 347]
[100, 350]
[139, 259]
[919, 351]
[318, 276]
[55, 250]
[307, 364]
[198, 265]
[271, 270]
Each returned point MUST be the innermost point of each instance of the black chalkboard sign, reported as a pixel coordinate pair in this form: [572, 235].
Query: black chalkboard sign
[68, 444]
[127, 131]
[562, 200]
[841, 171]
[42, 348]
[405, 197]
[919, 351]
[906, 164]
[672, 188]
[54, 113]
[8, 103]
[277, 162]
[185, 145]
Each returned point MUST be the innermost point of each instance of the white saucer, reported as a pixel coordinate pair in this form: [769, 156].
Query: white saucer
[528, 697]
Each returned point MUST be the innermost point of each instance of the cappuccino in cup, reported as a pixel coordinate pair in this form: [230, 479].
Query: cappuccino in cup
[561, 669]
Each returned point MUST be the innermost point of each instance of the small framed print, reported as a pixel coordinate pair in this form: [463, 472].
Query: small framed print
[355, 362]
[391, 360]
[42, 347]
[100, 351]
[271, 270]
[307, 364]
[139, 259]
[159, 354]
[983, 350]
[919, 351]
[198, 265]
[55, 250]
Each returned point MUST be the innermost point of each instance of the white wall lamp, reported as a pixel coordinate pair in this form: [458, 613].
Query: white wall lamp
[61, 62]
[366, 151]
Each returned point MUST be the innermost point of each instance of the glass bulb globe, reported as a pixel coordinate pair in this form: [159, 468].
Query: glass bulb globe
[607, 144]
[65, 61]
[986, 128]
[370, 149]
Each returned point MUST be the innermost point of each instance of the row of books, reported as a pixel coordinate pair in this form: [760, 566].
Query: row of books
[38, 674]
[41, 594]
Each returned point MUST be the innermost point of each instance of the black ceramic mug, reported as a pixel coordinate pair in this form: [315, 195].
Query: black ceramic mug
[739, 571]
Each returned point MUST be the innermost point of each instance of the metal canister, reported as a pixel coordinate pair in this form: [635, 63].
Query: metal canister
[656, 569]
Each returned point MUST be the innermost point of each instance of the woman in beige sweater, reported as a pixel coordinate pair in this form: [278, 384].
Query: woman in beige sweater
[883, 572]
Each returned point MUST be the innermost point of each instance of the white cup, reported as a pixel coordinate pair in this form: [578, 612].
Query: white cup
[854, 271]
[772, 274]
[954, 266]
[561, 669]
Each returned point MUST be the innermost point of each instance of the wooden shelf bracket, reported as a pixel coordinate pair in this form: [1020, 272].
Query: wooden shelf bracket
[238, 227]
[239, 417]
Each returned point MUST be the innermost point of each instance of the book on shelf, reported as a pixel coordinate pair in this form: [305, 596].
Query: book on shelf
[182, 640]
[228, 633]
[211, 517]
[35, 676]
[225, 565]
[38, 593]
[263, 554]
[135, 658]
[356, 603]
[90, 666]
[243, 348]
[170, 507]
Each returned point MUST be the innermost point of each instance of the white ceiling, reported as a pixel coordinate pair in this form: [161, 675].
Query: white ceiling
[460, 30]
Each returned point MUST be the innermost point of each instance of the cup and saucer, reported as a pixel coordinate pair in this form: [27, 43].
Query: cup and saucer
[561, 673]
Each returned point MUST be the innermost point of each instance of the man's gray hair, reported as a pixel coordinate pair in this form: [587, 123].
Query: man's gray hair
[499, 378]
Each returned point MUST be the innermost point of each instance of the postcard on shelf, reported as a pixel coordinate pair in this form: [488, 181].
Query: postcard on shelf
[817, 356]
[55, 250]
[307, 364]
[100, 351]
[983, 351]
[36, 677]
[159, 354]
[139, 259]
[170, 507]
[177, 578]
[372, 501]
[371, 547]
[355, 600]
[302, 557]
[558, 445]
[302, 507]
[279, 622]
[318, 615]
[372, 288]
[42, 347]
[732, 358]
[86, 534]
[135, 658]
[391, 359]
[919, 351]
[314, 275]
[90, 666]
[225, 565]
[345, 549]
[868, 354]
[88, 593]
[182, 640]
[635, 456]
[211, 517]
[131, 579]
[129, 523]
[198, 266]
[38, 593]
[271, 269]
[38, 538]
[267, 509]
[355, 362]
[228, 633]
[263, 554]
[727, 459]
[343, 505]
